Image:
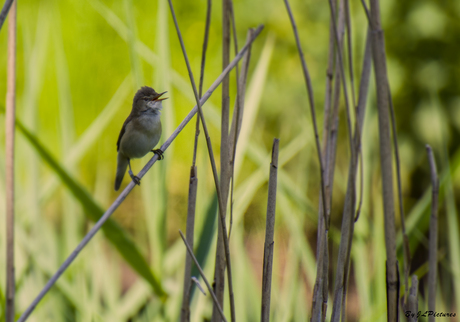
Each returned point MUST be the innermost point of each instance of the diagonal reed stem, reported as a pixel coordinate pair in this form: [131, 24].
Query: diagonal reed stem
[213, 295]
[4, 12]
[122, 196]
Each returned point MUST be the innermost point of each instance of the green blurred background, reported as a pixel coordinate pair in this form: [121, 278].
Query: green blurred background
[79, 64]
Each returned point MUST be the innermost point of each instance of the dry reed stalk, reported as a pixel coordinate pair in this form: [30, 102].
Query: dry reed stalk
[193, 185]
[203, 62]
[338, 41]
[319, 306]
[9, 162]
[219, 272]
[433, 243]
[330, 73]
[213, 295]
[331, 122]
[348, 219]
[312, 108]
[269, 234]
[122, 196]
[236, 113]
[366, 10]
[237, 119]
[378, 51]
[413, 299]
[337, 31]
[350, 51]
[362, 99]
[406, 248]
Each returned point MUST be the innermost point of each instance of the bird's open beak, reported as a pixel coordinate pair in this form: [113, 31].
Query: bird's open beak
[157, 98]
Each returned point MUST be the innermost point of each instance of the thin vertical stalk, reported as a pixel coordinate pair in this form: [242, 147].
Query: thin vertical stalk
[185, 313]
[236, 113]
[205, 45]
[331, 123]
[238, 119]
[219, 271]
[203, 62]
[269, 234]
[312, 111]
[320, 290]
[433, 243]
[10, 125]
[406, 248]
[338, 41]
[348, 219]
[378, 51]
[413, 300]
[193, 185]
[350, 51]
[348, 209]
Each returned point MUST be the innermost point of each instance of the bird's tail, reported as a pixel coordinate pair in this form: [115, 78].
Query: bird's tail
[122, 164]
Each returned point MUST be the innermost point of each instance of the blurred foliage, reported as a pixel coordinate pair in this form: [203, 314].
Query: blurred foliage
[80, 63]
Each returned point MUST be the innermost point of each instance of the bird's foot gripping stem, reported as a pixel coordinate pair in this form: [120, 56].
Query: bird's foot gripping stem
[159, 153]
[136, 179]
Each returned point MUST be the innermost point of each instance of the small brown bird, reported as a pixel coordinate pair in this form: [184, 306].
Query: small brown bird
[140, 133]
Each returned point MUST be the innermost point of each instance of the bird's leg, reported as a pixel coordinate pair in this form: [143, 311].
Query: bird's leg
[136, 179]
[159, 153]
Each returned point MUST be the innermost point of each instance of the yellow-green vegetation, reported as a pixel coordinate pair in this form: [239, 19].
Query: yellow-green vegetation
[79, 64]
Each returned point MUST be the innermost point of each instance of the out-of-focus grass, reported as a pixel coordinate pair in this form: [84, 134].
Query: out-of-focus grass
[79, 65]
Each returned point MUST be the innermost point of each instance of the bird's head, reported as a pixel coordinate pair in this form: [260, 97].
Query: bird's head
[147, 100]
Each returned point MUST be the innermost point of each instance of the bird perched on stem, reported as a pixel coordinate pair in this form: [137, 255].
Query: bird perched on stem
[140, 132]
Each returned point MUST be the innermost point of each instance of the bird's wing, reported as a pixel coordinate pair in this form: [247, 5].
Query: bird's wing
[123, 129]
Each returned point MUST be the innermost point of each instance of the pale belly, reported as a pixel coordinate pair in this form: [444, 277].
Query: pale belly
[140, 137]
